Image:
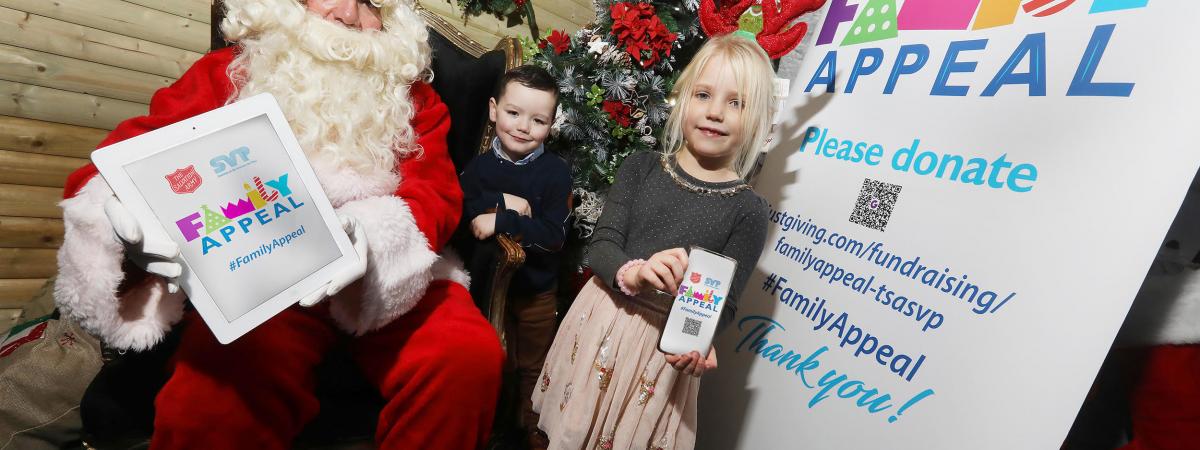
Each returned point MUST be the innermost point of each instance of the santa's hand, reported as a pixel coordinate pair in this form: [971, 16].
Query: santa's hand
[153, 254]
[340, 280]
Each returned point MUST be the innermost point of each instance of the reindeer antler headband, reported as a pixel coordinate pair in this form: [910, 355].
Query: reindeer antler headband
[777, 37]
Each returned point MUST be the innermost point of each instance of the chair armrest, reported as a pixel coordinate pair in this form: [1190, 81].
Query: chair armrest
[511, 258]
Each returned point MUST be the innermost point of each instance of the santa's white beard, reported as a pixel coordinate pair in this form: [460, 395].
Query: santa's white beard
[344, 92]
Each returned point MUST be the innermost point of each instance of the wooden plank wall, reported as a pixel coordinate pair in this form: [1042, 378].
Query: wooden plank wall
[566, 15]
[70, 70]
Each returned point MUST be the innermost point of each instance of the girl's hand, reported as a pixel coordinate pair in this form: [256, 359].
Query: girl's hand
[692, 364]
[662, 271]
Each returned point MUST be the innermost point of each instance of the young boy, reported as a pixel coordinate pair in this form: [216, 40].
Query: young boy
[520, 190]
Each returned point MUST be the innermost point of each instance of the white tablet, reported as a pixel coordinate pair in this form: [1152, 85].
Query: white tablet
[697, 308]
[233, 189]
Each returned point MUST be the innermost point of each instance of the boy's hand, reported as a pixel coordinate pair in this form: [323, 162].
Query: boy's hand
[518, 204]
[662, 271]
[483, 226]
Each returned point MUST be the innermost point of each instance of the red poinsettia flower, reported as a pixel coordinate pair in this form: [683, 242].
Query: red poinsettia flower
[520, 3]
[561, 41]
[618, 112]
[623, 13]
[641, 32]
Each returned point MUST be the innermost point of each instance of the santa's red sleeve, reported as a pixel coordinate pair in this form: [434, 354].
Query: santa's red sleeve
[90, 259]
[429, 182]
[407, 229]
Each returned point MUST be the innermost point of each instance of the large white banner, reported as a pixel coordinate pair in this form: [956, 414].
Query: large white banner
[965, 197]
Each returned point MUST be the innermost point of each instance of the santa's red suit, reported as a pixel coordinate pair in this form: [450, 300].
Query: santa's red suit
[416, 333]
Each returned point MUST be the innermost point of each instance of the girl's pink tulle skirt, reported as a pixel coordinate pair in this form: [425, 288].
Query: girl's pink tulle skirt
[605, 385]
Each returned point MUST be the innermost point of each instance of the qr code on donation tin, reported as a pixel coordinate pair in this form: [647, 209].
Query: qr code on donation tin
[875, 202]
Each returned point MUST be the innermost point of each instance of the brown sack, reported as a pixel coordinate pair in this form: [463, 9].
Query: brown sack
[45, 366]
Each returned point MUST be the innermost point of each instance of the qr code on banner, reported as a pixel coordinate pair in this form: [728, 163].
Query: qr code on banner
[875, 202]
[691, 326]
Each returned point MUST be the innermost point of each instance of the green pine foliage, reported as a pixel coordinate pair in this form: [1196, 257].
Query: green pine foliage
[498, 8]
[612, 104]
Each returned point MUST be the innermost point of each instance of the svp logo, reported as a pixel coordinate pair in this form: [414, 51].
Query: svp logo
[236, 159]
[185, 180]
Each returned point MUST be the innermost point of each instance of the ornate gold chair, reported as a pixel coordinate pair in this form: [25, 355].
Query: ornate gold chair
[466, 92]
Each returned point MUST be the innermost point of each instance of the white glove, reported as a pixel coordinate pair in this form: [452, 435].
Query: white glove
[154, 255]
[343, 279]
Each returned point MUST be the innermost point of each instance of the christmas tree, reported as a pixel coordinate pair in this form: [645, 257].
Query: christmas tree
[614, 80]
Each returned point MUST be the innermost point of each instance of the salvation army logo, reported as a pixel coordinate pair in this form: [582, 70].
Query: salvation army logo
[185, 180]
[695, 277]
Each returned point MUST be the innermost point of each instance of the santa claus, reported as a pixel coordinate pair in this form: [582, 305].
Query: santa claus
[350, 76]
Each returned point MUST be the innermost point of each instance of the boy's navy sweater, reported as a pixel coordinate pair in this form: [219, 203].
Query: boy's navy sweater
[545, 183]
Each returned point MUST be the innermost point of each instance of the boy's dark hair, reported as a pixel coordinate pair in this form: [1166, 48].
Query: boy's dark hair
[530, 76]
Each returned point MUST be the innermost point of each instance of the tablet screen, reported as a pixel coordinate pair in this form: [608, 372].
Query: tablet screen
[244, 220]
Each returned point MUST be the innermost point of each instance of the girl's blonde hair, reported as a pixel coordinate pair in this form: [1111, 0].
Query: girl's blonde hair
[755, 84]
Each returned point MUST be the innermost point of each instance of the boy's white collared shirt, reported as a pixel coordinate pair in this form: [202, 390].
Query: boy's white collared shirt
[523, 161]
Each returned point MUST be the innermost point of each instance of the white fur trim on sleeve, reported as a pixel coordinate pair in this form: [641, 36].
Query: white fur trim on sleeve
[398, 266]
[1166, 311]
[89, 272]
[450, 267]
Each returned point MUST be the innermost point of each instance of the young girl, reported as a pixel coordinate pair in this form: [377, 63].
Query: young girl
[605, 384]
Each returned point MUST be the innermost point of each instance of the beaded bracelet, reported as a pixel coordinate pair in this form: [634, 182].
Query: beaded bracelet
[621, 275]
